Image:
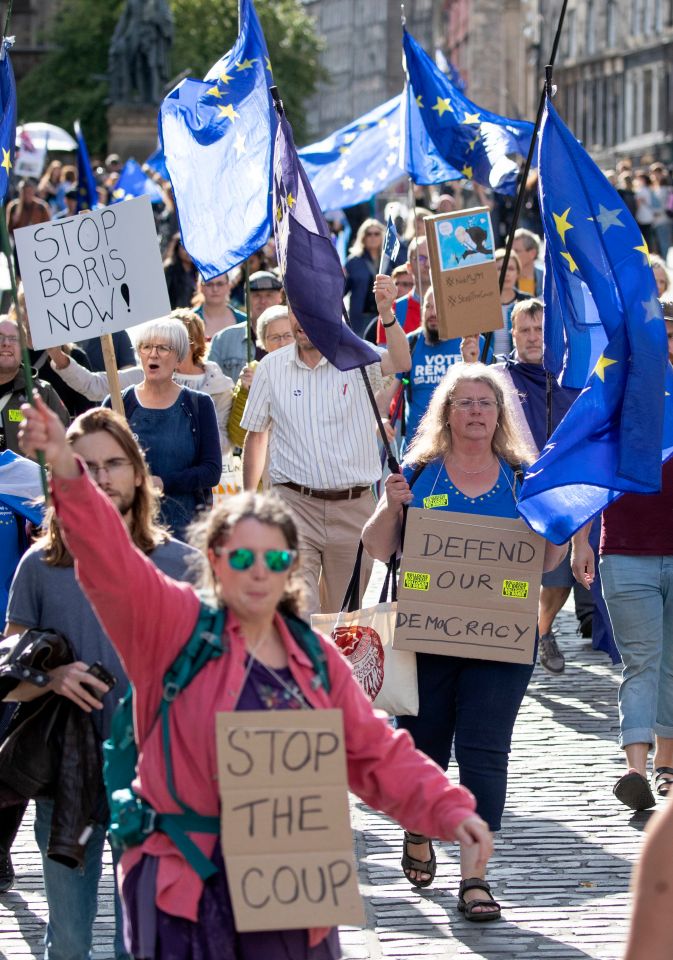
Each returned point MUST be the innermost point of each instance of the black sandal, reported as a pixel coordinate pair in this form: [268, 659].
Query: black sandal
[663, 781]
[634, 791]
[469, 907]
[421, 866]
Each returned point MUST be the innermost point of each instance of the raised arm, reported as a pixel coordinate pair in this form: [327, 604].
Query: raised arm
[396, 358]
[92, 384]
[146, 615]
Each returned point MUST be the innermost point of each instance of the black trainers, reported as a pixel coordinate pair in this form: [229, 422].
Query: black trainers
[6, 873]
[551, 657]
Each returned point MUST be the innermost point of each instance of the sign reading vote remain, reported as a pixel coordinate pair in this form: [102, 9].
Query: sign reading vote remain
[469, 586]
[286, 832]
[92, 274]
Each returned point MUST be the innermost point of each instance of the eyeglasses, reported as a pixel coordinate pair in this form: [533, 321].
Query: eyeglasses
[419, 258]
[373, 233]
[404, 284]
[277, 561]
[114, 465]
[465, 404]
[8, 338]
[215, 284]
[280, 337]
[162, 349]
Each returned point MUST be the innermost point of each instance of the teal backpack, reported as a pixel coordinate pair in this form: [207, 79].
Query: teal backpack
[132, 819]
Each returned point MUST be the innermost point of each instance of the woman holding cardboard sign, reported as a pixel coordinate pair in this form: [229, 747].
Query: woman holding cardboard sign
[256, 655]
[464, 458]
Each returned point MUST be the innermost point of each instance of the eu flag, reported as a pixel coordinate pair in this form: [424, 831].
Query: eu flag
[157, 162]
[312, 273]
[391, 247]
[619, 430]
[419, 154]
[217, 137]
[363, 158]
[7, 116]
[134, 182]
[473, 140]
[87, 195]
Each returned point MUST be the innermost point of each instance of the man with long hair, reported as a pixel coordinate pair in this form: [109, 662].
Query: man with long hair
[46, 594]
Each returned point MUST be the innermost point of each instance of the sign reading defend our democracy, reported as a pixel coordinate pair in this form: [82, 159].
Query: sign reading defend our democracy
[286, 833]
[92, 274]
[469, 586]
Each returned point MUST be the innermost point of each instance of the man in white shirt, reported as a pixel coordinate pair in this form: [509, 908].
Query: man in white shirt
[323, 452]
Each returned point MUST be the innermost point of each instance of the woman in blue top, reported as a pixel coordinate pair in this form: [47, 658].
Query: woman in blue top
[467, 451]
[176, 427]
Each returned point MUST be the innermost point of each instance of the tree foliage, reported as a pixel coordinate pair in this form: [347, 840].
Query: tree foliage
[70, 82]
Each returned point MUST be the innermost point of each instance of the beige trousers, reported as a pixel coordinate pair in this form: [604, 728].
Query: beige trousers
[329, 533]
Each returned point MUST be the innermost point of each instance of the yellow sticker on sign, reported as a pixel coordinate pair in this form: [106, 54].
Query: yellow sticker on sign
[14, 416]
[416, 581]
[436, 500]
[515, 588]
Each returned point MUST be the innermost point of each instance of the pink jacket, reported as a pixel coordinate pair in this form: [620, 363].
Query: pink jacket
[149, 618]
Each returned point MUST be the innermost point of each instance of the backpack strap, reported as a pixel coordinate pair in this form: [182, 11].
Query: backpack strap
[310, 643]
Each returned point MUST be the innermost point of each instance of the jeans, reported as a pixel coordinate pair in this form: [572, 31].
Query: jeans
[72, 895]
[472, 704]
[638, 592]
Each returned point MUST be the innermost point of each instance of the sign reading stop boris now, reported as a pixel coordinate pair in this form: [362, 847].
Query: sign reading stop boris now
[92, 274]
[286, 832]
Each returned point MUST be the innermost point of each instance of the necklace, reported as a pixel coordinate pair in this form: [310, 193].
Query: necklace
[293, 691]
[474, 473]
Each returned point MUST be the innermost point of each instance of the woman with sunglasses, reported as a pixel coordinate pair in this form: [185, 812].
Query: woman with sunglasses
[249, 548]
[464, 457]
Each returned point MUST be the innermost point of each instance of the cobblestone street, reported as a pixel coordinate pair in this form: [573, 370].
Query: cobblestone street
[562, 865]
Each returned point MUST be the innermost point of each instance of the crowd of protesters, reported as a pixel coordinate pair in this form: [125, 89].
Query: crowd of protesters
[223, 378]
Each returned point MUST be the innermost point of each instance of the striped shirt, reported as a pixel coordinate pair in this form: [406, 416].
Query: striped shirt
[324, 429]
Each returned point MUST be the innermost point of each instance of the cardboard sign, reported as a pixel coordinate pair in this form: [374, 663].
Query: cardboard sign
[469, 586]
[463, 271]
[92, 274]
[286, 832]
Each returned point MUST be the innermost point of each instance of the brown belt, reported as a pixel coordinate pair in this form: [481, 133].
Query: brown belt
[352, 494]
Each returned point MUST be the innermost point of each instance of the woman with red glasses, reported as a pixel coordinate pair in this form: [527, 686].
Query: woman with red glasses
[249, 549]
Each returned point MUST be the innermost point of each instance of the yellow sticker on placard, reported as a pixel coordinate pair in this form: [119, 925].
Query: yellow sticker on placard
[515, 588]
[416, 581]
[436, 500]
[14, 416]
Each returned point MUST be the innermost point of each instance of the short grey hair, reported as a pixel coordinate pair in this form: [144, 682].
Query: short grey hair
[530, 240]
[164, 330]
[278, 312]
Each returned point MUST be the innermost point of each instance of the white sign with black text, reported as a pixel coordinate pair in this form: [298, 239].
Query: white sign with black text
[92, 274]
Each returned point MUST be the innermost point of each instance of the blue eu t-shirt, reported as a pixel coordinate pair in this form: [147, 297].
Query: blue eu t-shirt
[429, 363]
[434, 483]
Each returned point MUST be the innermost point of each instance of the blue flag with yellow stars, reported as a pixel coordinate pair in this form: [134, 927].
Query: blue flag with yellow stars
[363, 158]
[134, 182]
[310, 267]
[619, 430]
[8, 115]
[157, 162]
[418, 153]
[217, 138]
[87, 195]
[473, 140]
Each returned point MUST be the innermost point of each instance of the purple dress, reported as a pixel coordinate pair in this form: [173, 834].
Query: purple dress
[151, 934]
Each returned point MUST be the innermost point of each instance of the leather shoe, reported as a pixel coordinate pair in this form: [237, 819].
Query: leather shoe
[6, 873]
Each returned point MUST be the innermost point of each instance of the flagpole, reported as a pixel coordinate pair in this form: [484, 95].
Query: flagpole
[248, 321]
[527, 166]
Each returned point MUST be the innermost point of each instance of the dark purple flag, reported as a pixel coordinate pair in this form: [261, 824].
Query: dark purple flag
[312, 273]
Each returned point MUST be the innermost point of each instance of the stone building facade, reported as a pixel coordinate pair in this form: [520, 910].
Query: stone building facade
[30, 26]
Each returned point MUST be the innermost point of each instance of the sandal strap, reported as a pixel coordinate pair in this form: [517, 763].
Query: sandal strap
[662, 771]
[475, 883]
[422, 866]
[471, 905]
[420, 837]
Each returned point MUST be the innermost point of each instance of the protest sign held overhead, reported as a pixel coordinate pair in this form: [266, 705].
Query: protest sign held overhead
[92, 274]
[286, 832]
[464, 274]
[468, 589]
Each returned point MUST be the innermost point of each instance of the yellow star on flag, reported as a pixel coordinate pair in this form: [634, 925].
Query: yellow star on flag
[472, 144]
[279, 213]
[644, 249]
[118, 193]
[291, 200]
[443, 104]
[601, 365]
[228, 112]
[214, 92]
[349, 137]
[244, 64]
[467, 172]
[267, 65]
[571, 262]
[6, 161]
[419, 101]
[471, 118]
[225, 77]
[344, 150]
[562, 224]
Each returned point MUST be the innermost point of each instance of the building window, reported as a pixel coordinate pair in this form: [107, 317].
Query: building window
[658, 16]
[648, 97]
[611, 24]
[569, 36]
[591, 27]
[636, 17]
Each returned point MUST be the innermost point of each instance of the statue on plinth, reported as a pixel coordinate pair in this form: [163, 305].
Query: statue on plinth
[139, 53]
